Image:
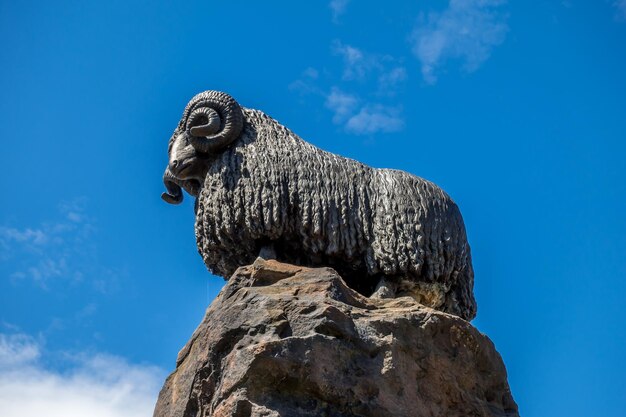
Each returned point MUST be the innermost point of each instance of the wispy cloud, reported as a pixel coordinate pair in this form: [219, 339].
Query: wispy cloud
[377, 77]
[97, 385]
[382, 72]
[24, 236]
[306, 84]
[362, 119]
[61, 249]
[620, 6]
[337, 8]
[386, 72]
[375, 118]
[466, 30]
[389, 81]
[356, 63]
[17, 349]
[342, 104]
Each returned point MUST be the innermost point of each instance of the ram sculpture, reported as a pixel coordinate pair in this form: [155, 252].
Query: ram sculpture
[261, 190]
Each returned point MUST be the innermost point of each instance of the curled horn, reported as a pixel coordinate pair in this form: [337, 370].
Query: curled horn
[215, 120]
[174, 194]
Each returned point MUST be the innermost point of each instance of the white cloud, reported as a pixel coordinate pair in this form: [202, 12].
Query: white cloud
[389, 81]
[59, 250]
[43, 270]
[16, 350]
[306, 83]
[467, 30]
[338, 7]
[95, 385]
[362, 119]
[620, 5]
[311, 73]
[74, 210]
[342, 104]
[28, 235]
[356, 63]
[359, 65]
[379, 78]
[375, 118]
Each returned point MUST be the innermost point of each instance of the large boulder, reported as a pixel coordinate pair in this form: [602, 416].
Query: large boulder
[281, 340]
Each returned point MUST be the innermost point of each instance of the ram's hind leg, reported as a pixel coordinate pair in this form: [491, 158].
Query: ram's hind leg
[384, 289]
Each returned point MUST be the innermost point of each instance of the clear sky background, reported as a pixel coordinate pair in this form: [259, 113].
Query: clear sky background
[516, 109]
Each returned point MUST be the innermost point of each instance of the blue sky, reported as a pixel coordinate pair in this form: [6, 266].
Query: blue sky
[517, 110]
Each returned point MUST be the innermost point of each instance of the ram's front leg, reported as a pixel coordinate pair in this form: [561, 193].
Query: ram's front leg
[385, 289]
[267, 252]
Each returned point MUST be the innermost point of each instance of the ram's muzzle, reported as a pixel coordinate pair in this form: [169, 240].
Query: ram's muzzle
[174, 194]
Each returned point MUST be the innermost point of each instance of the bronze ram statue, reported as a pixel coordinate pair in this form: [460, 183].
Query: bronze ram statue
[260, 189]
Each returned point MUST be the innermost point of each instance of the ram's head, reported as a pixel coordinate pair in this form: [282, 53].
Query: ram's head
[211, 121]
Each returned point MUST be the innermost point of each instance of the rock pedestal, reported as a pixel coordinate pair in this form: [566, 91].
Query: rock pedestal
[289, 341]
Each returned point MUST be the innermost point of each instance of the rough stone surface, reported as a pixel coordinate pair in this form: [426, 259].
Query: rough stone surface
[282, 340]
[258, 184]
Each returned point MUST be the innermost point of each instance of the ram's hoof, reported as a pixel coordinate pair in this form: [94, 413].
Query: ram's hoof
[384, 289]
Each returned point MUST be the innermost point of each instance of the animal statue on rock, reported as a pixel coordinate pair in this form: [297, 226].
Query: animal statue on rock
[262, 190]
